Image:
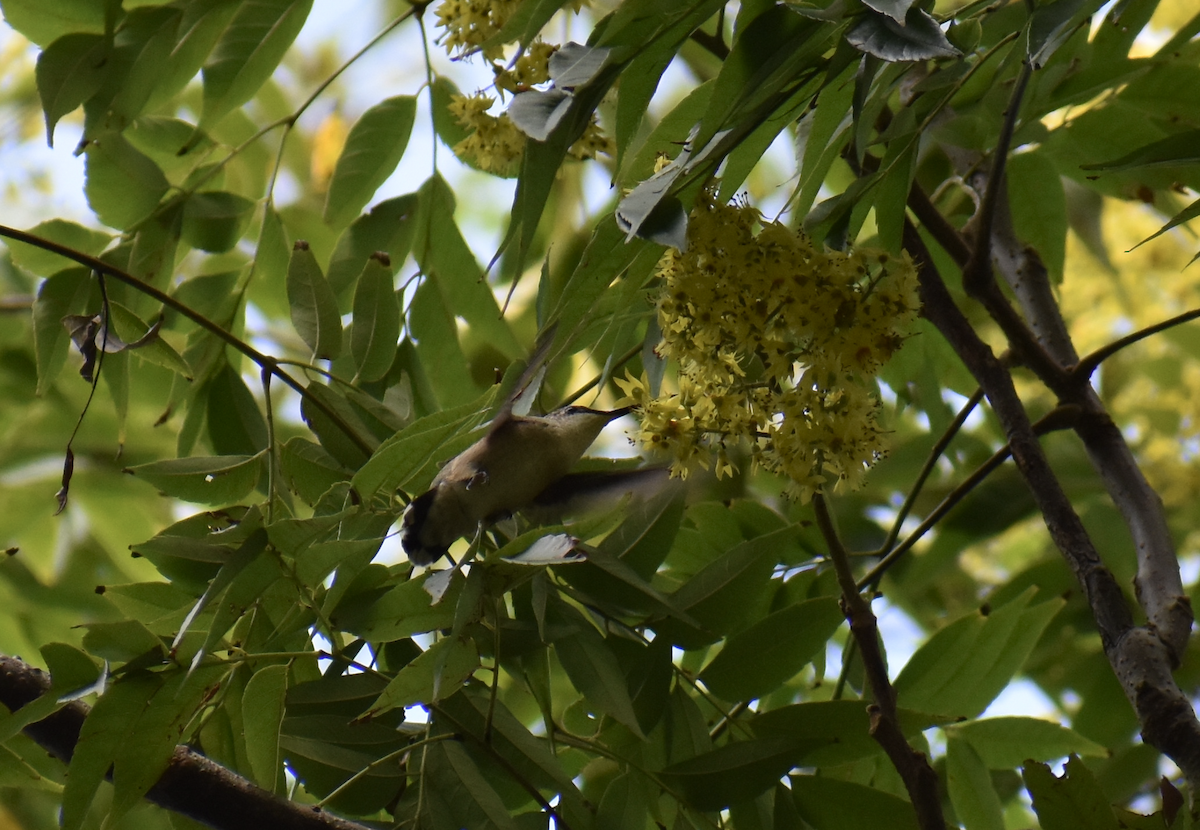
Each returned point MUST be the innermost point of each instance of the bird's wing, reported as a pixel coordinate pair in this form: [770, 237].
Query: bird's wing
[520, 399]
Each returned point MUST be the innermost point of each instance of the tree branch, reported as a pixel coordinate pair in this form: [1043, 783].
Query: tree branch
[919, 778]
[192, 785]
[1140, 657]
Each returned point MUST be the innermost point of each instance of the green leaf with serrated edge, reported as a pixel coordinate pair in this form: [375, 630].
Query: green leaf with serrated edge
[215, 220]
[755, 662]
[376, 328]
[235, 424]
[421, 443]
[308, 469]
[138, 764]
[123, 185]
[44, 24]
[251, 46]
[107, 727]
[970, 786]
[438, 673]
[737, 771]
[313, 305]
[1073, 802]
[1007, 742]
[843, 805]
[842, 726]
[402, 611]
[64, 293]
[595, 672]
[262, 707]
[373, 148]
[70, 71]
[221, 479]
[73, 235]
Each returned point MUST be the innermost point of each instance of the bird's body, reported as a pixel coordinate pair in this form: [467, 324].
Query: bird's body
[516, 462]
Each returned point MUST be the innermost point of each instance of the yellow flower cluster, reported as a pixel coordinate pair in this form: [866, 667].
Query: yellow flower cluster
[496, 144]
[777, 342]
[470, 23]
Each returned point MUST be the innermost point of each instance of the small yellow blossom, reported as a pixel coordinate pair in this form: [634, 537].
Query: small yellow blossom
[496, 145]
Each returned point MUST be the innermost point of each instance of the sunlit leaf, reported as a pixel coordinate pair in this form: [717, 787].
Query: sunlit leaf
[373, 149]
[221, 479]
[314, 307]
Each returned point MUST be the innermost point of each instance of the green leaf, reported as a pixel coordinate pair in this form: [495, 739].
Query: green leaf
[962, 667]
[314, 307]
[308, 469]
[107, 727]
[726, 591]
[235, 424]
[262, 714]
[461, 792]
[202, 25]
[215, 220]
[43, 23]
[222, 479]
[970, 785]
[1073, 802]
[69, 72]
[1186, 215]
[755, 662]
[842, 728]
[918, 38]
[1007, 742]
[843, 805]
[155, 349]
[623, 806]
[595, 672]
[1050, 26]
[438, 673]
[443, 254]
[70, 234]
[738, 771]
[389, 228]
[121, 642]
[1039, 208]
[64, 293]
[374, 147]
[1178, 150]
[401, 612]
[446, 126]
[138, 764]
[251, 46]
[123, 184]
[376, 329]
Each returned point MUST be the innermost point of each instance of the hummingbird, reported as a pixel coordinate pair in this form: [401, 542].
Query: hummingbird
[522, 461]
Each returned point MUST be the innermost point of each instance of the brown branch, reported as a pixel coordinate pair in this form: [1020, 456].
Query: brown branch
[919, 778]
[1140, 657]
[192, 785]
